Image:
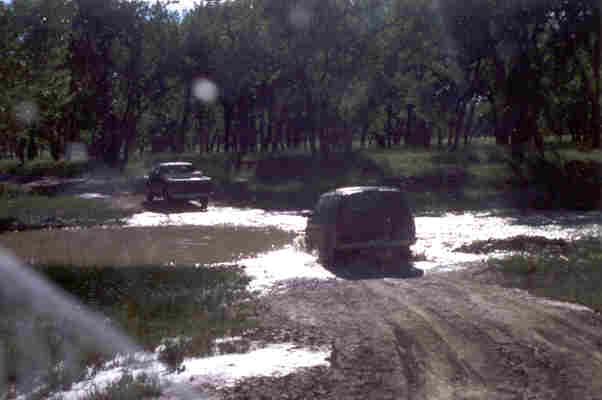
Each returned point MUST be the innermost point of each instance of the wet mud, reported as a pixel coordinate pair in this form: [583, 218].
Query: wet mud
[439, 337]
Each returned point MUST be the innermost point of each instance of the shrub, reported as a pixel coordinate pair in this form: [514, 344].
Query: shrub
[554, 182]
[573, 276]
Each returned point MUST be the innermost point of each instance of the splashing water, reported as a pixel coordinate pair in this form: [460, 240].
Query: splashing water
[25, 298]
[24, 290]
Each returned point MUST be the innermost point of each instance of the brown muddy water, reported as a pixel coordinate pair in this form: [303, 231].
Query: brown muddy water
[270, 244]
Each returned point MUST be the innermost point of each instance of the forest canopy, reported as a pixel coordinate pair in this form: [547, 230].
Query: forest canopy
[266, 75]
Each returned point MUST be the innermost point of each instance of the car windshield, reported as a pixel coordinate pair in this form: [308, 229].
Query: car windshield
[177, 170]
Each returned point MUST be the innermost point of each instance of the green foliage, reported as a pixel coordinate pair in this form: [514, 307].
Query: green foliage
[128, 387]
[554, 182]
[152, 303]
[574, 277]
[119, 73]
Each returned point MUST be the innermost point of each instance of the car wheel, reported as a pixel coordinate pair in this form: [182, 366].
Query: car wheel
[204, 202]
[166, 196]
[309, 244]
[326, 251]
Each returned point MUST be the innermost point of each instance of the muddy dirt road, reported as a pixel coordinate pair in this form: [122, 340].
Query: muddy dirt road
[444, 336]
[448, 335]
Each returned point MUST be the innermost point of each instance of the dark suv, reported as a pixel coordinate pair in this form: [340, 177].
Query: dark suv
[374, 220]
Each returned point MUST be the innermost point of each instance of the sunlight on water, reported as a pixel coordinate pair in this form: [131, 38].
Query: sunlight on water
[288, 263]
[439, 236]
[242, 217]
[219, 371]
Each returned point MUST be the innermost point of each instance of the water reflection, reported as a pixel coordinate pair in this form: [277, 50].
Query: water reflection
[173, 245]
[269, 242]
[439, 236]
[288, 263]
[240, 217]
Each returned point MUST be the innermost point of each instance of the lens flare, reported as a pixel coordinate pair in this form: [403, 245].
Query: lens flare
[27, 112]
[300, 17]
[205, 90]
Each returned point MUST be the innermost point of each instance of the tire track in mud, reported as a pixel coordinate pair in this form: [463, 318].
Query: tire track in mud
[482, 358]
[443, 337]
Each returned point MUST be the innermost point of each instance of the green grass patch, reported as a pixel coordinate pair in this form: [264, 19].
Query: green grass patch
[295, 178]
[184, 309]
[34, 211]
[574, 277]
[44, 167]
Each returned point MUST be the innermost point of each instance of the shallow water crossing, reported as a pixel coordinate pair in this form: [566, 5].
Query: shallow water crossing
[270, 243]
[270, 246]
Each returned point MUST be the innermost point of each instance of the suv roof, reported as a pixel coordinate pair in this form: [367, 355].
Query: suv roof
[346, 191]
[173, 163]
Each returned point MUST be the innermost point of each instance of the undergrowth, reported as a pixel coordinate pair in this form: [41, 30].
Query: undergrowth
[574, 277]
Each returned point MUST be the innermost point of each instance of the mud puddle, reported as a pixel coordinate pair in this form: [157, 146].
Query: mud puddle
[270, 244]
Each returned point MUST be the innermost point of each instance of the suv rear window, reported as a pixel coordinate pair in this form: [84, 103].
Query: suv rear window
[379, 201]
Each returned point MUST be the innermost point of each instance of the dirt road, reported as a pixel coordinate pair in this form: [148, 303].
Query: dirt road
[444, 336]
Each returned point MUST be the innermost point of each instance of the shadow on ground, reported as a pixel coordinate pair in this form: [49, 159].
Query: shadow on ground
[365, 269]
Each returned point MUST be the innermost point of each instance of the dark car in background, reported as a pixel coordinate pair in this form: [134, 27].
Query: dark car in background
[364, 220]
[179, 181]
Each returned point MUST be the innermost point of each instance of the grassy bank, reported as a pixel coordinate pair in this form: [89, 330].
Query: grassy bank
[46, 167]
[183, 309]
[436, 180]
[24, 211]
[575, 276]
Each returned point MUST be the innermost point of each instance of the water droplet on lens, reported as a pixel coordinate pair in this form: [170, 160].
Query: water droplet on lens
[27, 112]
[205, 90]
[300, 17]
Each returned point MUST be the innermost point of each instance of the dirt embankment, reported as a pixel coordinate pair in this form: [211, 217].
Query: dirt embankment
[444, 336]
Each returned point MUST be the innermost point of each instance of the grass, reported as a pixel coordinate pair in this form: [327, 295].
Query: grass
[128, 387]
[46, 167]
[31, 211]
[151, 304]
[575, 277]
[294, 179]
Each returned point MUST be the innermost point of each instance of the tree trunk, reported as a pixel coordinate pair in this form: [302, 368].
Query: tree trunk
[389, 126]
[408, 132]
[459, 126]
[185, 117]
[227, 125]
[595, 128]
[469, 122]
